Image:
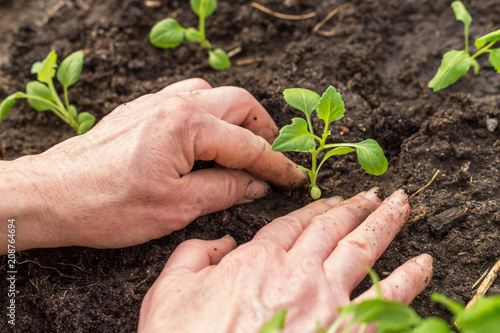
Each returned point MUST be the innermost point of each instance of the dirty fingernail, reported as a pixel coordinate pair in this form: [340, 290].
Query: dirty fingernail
[256, 189]
[398, 198]
[424, 260]
[372, 194]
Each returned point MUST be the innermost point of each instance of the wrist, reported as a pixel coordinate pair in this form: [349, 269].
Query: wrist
[25, 198]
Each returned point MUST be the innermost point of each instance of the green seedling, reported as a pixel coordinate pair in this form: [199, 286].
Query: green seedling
[300, 136]
[455, 63]
[42, 95]
[168, 33]
[396, 317]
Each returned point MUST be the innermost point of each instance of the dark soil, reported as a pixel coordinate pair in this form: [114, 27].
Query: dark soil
[380, 58]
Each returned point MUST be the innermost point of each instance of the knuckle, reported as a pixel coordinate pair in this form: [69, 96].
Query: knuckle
[200, 83]
[389, 292]
[360, 248]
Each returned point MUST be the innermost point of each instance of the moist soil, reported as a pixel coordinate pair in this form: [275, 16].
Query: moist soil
[380, 54]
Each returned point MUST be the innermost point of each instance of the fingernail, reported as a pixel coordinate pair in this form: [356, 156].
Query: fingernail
[373, 194]
[334, 201]
[225, 236]
[424, 260]
[256, 189]
[398, 198]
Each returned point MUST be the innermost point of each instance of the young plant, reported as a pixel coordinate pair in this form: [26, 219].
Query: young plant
[300, 136]
[394, 317]
[42, 95]
[168, 33]
[456, 64]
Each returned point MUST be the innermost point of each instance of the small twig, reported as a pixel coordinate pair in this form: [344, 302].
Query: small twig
[283, 16]
[4, 152]
[328, 33]
[483, 288]
[234, 52]
[426, 185]
[247, 61]
[46, 267]
[330, 15]
[480, 279]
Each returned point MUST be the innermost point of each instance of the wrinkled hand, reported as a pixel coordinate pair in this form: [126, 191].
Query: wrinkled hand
[308, 262]
[129, 179]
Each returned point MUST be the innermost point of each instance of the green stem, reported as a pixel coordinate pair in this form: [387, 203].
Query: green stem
[66, 100]
[483, 50]
[201, 25]
[55, 108]
[314, 172]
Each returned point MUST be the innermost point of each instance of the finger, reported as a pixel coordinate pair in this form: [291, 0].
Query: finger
[238, 107]
[285, 230]
[320, 238]
[210, 190]
[362, 247]
[193, 255]
[237, 148]
[405, 283]
[186, 85]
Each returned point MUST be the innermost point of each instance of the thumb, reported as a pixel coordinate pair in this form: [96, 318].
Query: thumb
[212, 190]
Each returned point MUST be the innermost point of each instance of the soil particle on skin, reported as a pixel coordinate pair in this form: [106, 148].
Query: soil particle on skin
[380, 58]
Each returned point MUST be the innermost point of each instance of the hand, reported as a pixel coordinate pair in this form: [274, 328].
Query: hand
[307, 262]
[129, 179]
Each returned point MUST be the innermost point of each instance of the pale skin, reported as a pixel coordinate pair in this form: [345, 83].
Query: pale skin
[129, 180]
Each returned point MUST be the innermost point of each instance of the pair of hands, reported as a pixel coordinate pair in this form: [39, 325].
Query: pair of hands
[129, 180]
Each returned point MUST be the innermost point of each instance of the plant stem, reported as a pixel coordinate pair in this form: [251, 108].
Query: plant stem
[314, 172]
[483, 50]
[55, 108]
[66, 100]
[201, 25]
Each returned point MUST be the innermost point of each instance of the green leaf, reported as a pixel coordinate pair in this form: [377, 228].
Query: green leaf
[275, 324]
[300, 167]
[302, 99]
[432, 324]
[85, 122]
[193, 35]
[454, 65]
[331, 106]
[294, 137]
[36, 67]
[218, 59]
[371, 156]
[453, 306]
[203, 8]
[339, 151]
[47, 71]
[70, 69]
[167, 33]
[484, 316]
[461, 13]
[9, 102]
[491, 37]
[495, 59]
[73, 112]
[389, 315]
[38, 89]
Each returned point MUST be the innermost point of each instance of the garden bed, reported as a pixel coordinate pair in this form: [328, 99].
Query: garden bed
[380, 57]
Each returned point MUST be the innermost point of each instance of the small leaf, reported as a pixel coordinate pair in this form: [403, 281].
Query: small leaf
[167, 33]
[73, 112]
[454, 65]
[8, 103]
[70, 69]
[275, 324]
[484, 316]
[331, 106]
[294, 137]
[193, 35]
[371, 157]
[203, 8]
[461, 13]
[85, 122]
[302, 99]
[432, 324]
[300, 167]
[218, 59]
[38, 89]
[47, 71]
[453, 306]
[338, 151]
[495, 59]
[491, 37]
[36, 67]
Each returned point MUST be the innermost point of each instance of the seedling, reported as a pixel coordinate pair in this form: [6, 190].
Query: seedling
[300, 136]
[168, 33]
[43, 96]
[456, 64]
[392, 316]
